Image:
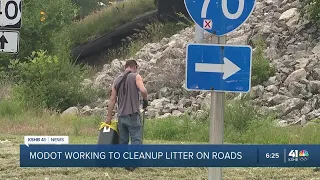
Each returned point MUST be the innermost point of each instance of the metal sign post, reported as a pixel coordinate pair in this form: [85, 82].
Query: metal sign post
[216, 111]
[199, 34]
[218, 68]
[217, 122]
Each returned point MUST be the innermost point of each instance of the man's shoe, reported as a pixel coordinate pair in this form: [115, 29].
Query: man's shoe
[317, 169]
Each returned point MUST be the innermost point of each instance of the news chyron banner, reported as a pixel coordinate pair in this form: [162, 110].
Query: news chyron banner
[87, 155]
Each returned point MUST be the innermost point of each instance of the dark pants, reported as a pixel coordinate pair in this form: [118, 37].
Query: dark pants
[130, 126]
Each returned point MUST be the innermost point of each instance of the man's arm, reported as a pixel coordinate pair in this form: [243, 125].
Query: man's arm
[112, 102]
[143, 90]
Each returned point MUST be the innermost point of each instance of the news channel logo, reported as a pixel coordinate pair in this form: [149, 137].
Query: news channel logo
[296, 155]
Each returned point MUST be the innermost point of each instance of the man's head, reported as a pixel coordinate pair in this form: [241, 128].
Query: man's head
[131, 65]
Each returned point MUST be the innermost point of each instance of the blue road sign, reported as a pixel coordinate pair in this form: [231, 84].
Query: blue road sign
[218, 67]
[219, 17]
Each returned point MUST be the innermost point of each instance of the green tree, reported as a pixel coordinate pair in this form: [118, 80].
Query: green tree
[36, 34]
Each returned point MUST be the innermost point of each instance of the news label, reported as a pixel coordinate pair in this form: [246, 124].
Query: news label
[28, 140]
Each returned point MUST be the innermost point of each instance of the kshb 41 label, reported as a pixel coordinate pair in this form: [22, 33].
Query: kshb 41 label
[46, 140]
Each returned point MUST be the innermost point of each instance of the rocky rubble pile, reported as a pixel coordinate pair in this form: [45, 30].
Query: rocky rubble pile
[162, 65]
[293, 49]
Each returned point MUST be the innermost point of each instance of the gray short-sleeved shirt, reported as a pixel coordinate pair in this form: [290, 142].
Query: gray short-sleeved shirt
[128, 99]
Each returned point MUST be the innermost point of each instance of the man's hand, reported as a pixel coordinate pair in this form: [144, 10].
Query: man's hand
[145, 104]
[108, 120]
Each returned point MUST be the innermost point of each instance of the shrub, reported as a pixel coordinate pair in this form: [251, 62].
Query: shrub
[311, 8]
[45, 81]
[239, 114]
[9, 108]
[261, 68]
[3, 73]
[36, 34]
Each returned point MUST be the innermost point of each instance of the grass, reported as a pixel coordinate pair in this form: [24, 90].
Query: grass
[9, 159]
[242, 126]
[183, 130]
[99, 23]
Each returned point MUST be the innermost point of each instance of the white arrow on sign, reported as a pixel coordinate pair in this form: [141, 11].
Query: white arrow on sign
[9, 41]
[228, 68]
